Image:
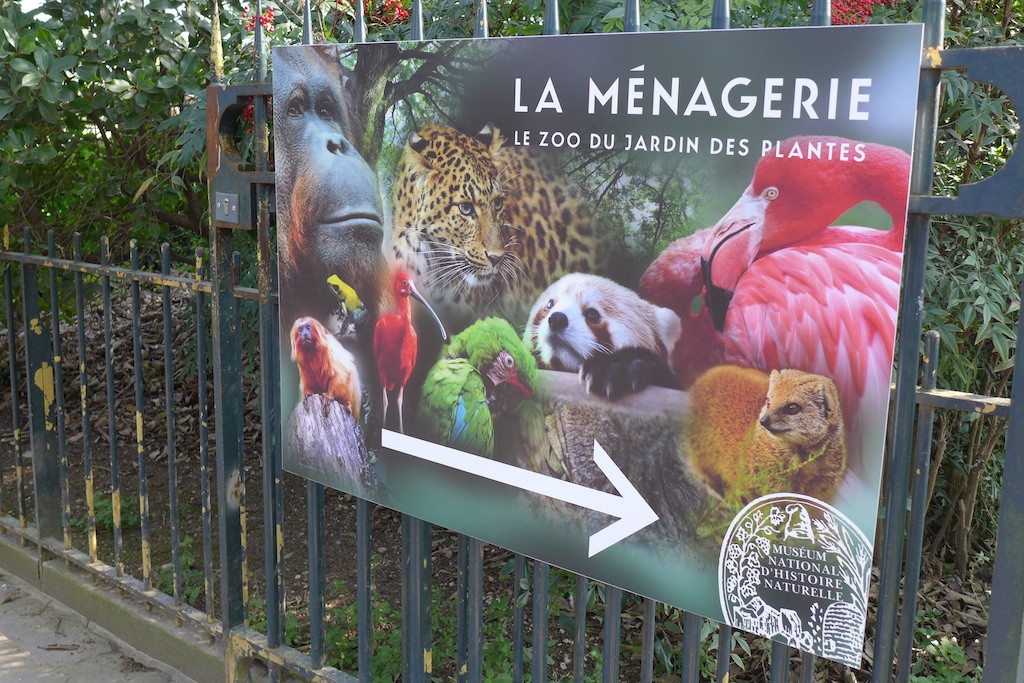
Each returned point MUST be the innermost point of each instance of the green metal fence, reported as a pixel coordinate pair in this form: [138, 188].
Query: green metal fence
[74, 491]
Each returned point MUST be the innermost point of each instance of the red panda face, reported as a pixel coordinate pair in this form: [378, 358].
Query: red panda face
[582, 315]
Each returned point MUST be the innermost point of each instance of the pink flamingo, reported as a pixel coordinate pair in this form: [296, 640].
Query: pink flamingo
[781, 287]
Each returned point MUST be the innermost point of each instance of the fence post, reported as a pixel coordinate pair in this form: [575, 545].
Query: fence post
[907, 354]
[42, 420]
[227, 392]
[1004, 649]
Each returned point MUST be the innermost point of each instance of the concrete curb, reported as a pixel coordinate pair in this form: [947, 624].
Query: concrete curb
[184, 653]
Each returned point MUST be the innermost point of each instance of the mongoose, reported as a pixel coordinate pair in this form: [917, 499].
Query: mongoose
[752, 433]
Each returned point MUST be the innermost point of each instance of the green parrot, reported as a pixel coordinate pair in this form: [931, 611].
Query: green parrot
[484, 371]
[351, 310]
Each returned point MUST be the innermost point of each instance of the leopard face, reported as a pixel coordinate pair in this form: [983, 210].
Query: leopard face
[479, 223]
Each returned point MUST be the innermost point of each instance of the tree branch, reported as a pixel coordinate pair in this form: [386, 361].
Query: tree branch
[178, 220]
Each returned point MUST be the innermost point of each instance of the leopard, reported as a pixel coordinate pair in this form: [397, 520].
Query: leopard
[484, 225]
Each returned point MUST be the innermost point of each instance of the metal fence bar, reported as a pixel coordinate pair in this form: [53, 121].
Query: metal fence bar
[416, 21]
[475, 610]
[204, 439]
[723, 660]
[480, 27]
[720, 14]
[140, 449]
[172, 451]
[612, 619]
[807, 667]
[363, 511]
[918, 510]
[720, 19]
[58, 369]
[315, 544]
[461, 600]
[11, 362]
[539, 634]
[12, 355]
[552, 26]
[821, 13]
[115, 476]
[519, 618]
[631, 22]
[779, 672]
[647, 642]
[273, 503]
[1004, 647]
[227, 373]
[243, 510]
[363, 597]
[83, 389]
[964, 402]
[359, 28]
[691, 648]
[227, 370]
[106, 270]
[579, 642]
[907, 354]
[40, 386]
[417, 658]
[273, 495]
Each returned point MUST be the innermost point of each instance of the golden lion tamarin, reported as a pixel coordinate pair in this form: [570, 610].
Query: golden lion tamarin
[325, 366]
[752, 433]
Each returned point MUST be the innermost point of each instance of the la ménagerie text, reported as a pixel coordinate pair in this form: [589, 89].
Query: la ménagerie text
[771, 98]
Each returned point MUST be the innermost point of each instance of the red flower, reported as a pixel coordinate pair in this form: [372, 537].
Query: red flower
[266, 19]
[379, 12]
[852, 11]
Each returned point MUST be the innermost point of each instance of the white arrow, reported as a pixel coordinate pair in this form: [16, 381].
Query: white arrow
[629, 506]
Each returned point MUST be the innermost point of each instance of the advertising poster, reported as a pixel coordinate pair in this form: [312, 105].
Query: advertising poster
[622, 303]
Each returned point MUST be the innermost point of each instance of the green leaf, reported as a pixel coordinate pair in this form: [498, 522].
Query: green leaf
[142, 188]
[23, 65]
[10, 33]
[47, 111]
[62, 64]
[40, 155]
[43, 59]
[26, 43]
[119, 85]
[50, 92]
[168, 156]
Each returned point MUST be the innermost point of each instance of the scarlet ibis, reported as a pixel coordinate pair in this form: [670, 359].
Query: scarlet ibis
[394, 342]
[780, 287]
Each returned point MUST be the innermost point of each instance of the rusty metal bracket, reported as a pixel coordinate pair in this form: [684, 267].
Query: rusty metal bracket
[230, 177]
[1001, 193]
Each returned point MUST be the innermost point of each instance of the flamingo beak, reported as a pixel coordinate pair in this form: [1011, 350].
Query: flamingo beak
[731, 248]
[419, 297]
[718, 298]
